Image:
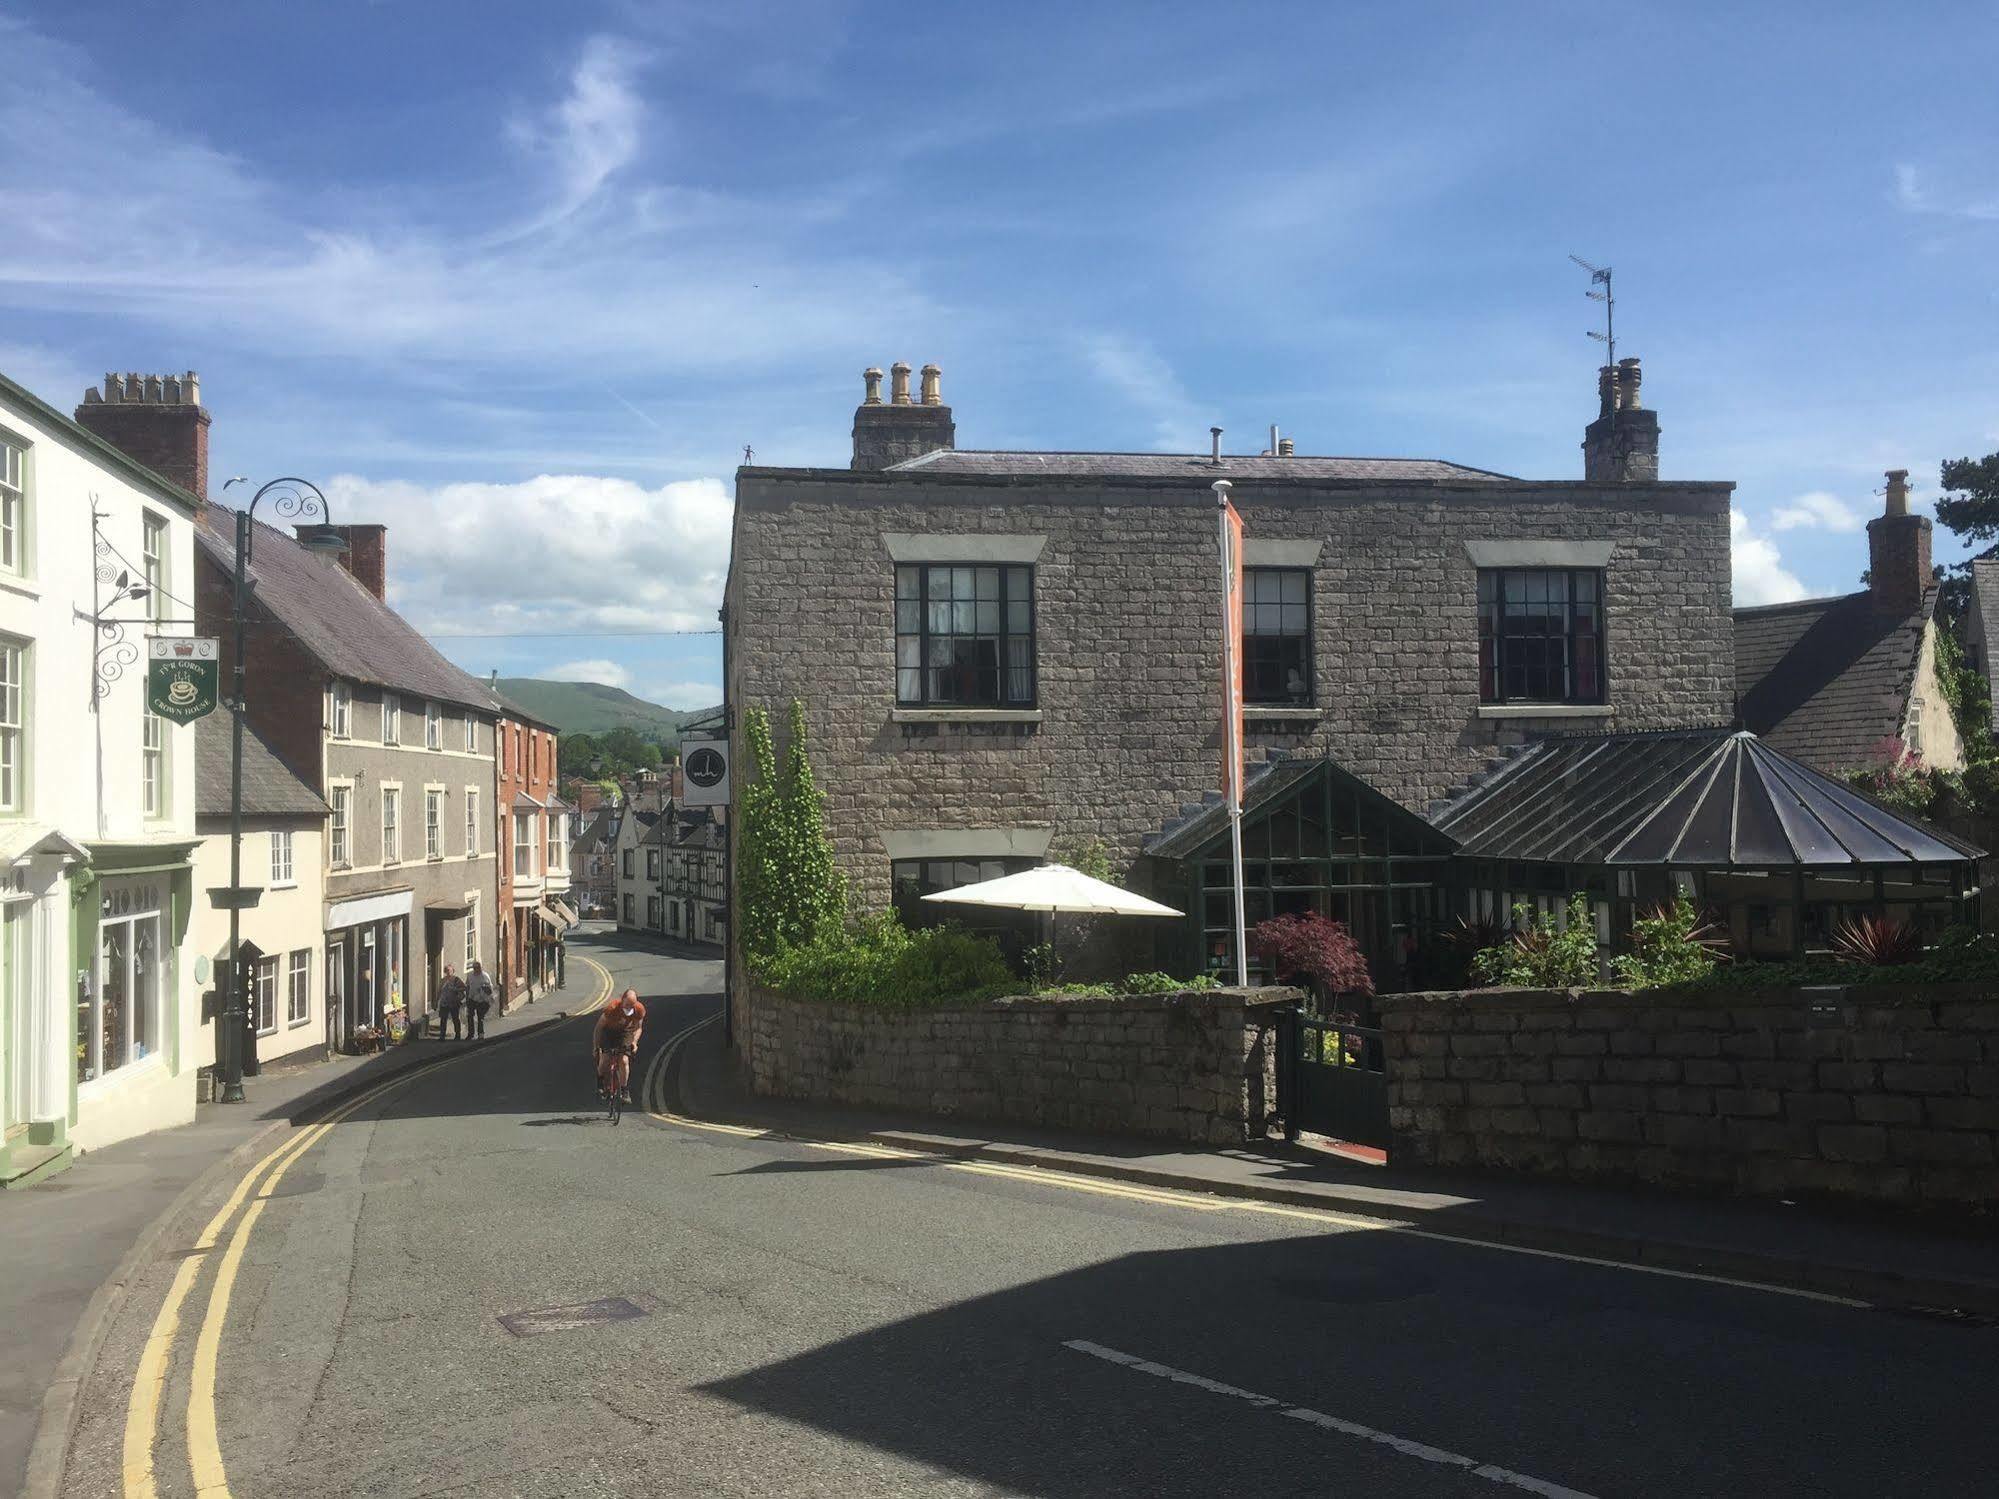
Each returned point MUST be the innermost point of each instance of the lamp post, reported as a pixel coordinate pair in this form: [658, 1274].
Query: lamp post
[294, 500]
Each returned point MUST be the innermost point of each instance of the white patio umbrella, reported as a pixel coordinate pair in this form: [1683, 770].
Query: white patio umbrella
[1053, 887]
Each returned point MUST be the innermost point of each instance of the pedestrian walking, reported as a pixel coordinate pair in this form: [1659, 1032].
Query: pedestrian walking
[451, 1004]
[479, 998]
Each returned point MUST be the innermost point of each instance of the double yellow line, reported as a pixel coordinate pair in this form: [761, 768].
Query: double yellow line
[142, 1411]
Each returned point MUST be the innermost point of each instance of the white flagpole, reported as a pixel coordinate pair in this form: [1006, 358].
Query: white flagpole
[1232, 723]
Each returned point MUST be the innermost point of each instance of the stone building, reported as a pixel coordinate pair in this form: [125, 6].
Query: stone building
[1837, 681]
[1006, 656]
[397, 741]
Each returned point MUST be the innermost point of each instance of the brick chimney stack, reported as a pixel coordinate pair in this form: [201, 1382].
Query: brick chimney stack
[1898, 551]
[155, 420]
[366, 557]
[1622, 445]
[901, 429]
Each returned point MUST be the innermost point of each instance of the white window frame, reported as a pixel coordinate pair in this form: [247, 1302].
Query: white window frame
[264, 995]
[523, 846]
[298, 986]
[343, 710]
[472, 935]
[433, 822]
[155, 790]
[13, 506]
[340, 825]
[284, 870]
[433, 727]
[471, 822]
[558, 850]
[471, 735]
[392, 718]
[154, 541]
[392, 823]
[16, 662]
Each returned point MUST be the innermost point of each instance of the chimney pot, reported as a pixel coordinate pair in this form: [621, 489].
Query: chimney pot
[156, 421]
[1606, 390]
[898, 383]
[1622, 445]
[1215, 446]
[885, 435]
[873, 379]
[933, 385]
[1898, 491]
[1628, 376]
[1285, 447]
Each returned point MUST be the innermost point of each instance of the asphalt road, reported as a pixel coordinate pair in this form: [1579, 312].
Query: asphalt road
[777, 1318]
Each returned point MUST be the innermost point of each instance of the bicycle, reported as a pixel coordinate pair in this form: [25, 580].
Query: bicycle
[610, 1092]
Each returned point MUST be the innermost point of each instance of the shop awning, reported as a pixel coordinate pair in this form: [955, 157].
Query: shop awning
[448, 910]
[547, 918]
[1701, 799]
[563, 909]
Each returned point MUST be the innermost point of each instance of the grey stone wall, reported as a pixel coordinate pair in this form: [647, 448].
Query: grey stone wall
[1198, 1066]
[1888, 1095]
[1127, 598]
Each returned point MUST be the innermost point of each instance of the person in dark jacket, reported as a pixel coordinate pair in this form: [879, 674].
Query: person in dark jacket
[479, 996]
[451, 1004]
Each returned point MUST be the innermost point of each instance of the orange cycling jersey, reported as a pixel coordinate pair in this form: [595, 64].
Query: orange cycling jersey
[613, 1023]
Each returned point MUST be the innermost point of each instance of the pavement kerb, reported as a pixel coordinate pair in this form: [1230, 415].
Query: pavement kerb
[1888, 1289]
[48, 1458]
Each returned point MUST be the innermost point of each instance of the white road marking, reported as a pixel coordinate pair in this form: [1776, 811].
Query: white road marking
[1404, 1445]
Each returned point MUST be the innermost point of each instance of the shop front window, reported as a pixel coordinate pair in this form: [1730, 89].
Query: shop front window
[118, 1019]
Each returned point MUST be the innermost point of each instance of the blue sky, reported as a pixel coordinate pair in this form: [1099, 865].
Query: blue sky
[521, 281]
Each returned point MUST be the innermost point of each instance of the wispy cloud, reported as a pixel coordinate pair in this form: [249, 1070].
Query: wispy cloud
[685, 695]
[1149, 385]
[1915, 194]
[593, 131]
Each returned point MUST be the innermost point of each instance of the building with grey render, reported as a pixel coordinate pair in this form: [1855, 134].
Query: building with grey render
[396, 740]
[1009, 656]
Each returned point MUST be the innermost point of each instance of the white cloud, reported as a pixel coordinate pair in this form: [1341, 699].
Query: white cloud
[1913, 194]
[1147, 381]
[597, 669]
[558, 554]
[1819, 511]
[685, 695]
[1760, 576]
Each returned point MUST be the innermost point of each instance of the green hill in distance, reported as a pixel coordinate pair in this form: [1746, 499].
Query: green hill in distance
[594, 708]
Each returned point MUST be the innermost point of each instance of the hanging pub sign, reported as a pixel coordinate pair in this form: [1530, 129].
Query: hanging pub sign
[183, 677]
[704, 765]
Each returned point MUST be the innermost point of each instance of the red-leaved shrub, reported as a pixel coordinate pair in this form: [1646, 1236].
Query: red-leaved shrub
[1312, 948]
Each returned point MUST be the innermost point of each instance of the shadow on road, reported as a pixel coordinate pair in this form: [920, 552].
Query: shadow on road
[860, 1163]
[1599, 1381]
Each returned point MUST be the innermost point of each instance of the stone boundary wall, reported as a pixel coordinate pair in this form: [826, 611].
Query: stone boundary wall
[1890, 1095]
[1197, 1066]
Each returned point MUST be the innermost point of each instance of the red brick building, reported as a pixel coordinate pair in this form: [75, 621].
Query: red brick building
[534, 836]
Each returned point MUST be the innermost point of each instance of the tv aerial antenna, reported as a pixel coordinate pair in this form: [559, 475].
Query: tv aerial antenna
[1599, 275]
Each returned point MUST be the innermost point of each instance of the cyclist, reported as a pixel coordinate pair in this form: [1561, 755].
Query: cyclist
[615, 1041]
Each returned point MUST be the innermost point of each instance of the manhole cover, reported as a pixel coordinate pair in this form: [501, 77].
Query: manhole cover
[569, 1318]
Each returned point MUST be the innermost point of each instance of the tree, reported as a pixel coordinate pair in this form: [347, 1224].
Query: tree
[576, 753]
[1313, 947]
[1969, 509]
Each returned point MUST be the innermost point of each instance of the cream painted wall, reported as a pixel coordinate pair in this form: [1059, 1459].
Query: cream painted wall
[284, 921]
[1930, 729]
[82, 766]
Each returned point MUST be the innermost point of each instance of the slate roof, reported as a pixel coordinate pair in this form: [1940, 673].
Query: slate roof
[1700, 798]
[353, 634]
[270, 787]
[597, 832]
[1195, 468]
[1825, 680]
[1985, 599]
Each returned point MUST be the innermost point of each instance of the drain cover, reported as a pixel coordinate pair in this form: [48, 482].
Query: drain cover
[569, 1318]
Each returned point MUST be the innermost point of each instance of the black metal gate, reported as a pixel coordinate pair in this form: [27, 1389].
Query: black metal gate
[1331, 1080]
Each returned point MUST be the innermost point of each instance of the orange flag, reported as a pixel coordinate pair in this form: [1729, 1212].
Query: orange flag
[1232, 729]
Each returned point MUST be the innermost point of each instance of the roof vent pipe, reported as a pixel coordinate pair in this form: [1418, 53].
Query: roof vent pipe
[1215, 453]
[1271, 451]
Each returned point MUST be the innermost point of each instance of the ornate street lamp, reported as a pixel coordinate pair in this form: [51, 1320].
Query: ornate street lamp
[299, 501]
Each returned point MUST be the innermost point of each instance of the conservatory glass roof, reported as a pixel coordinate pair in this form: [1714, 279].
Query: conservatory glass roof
[1703, 798]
